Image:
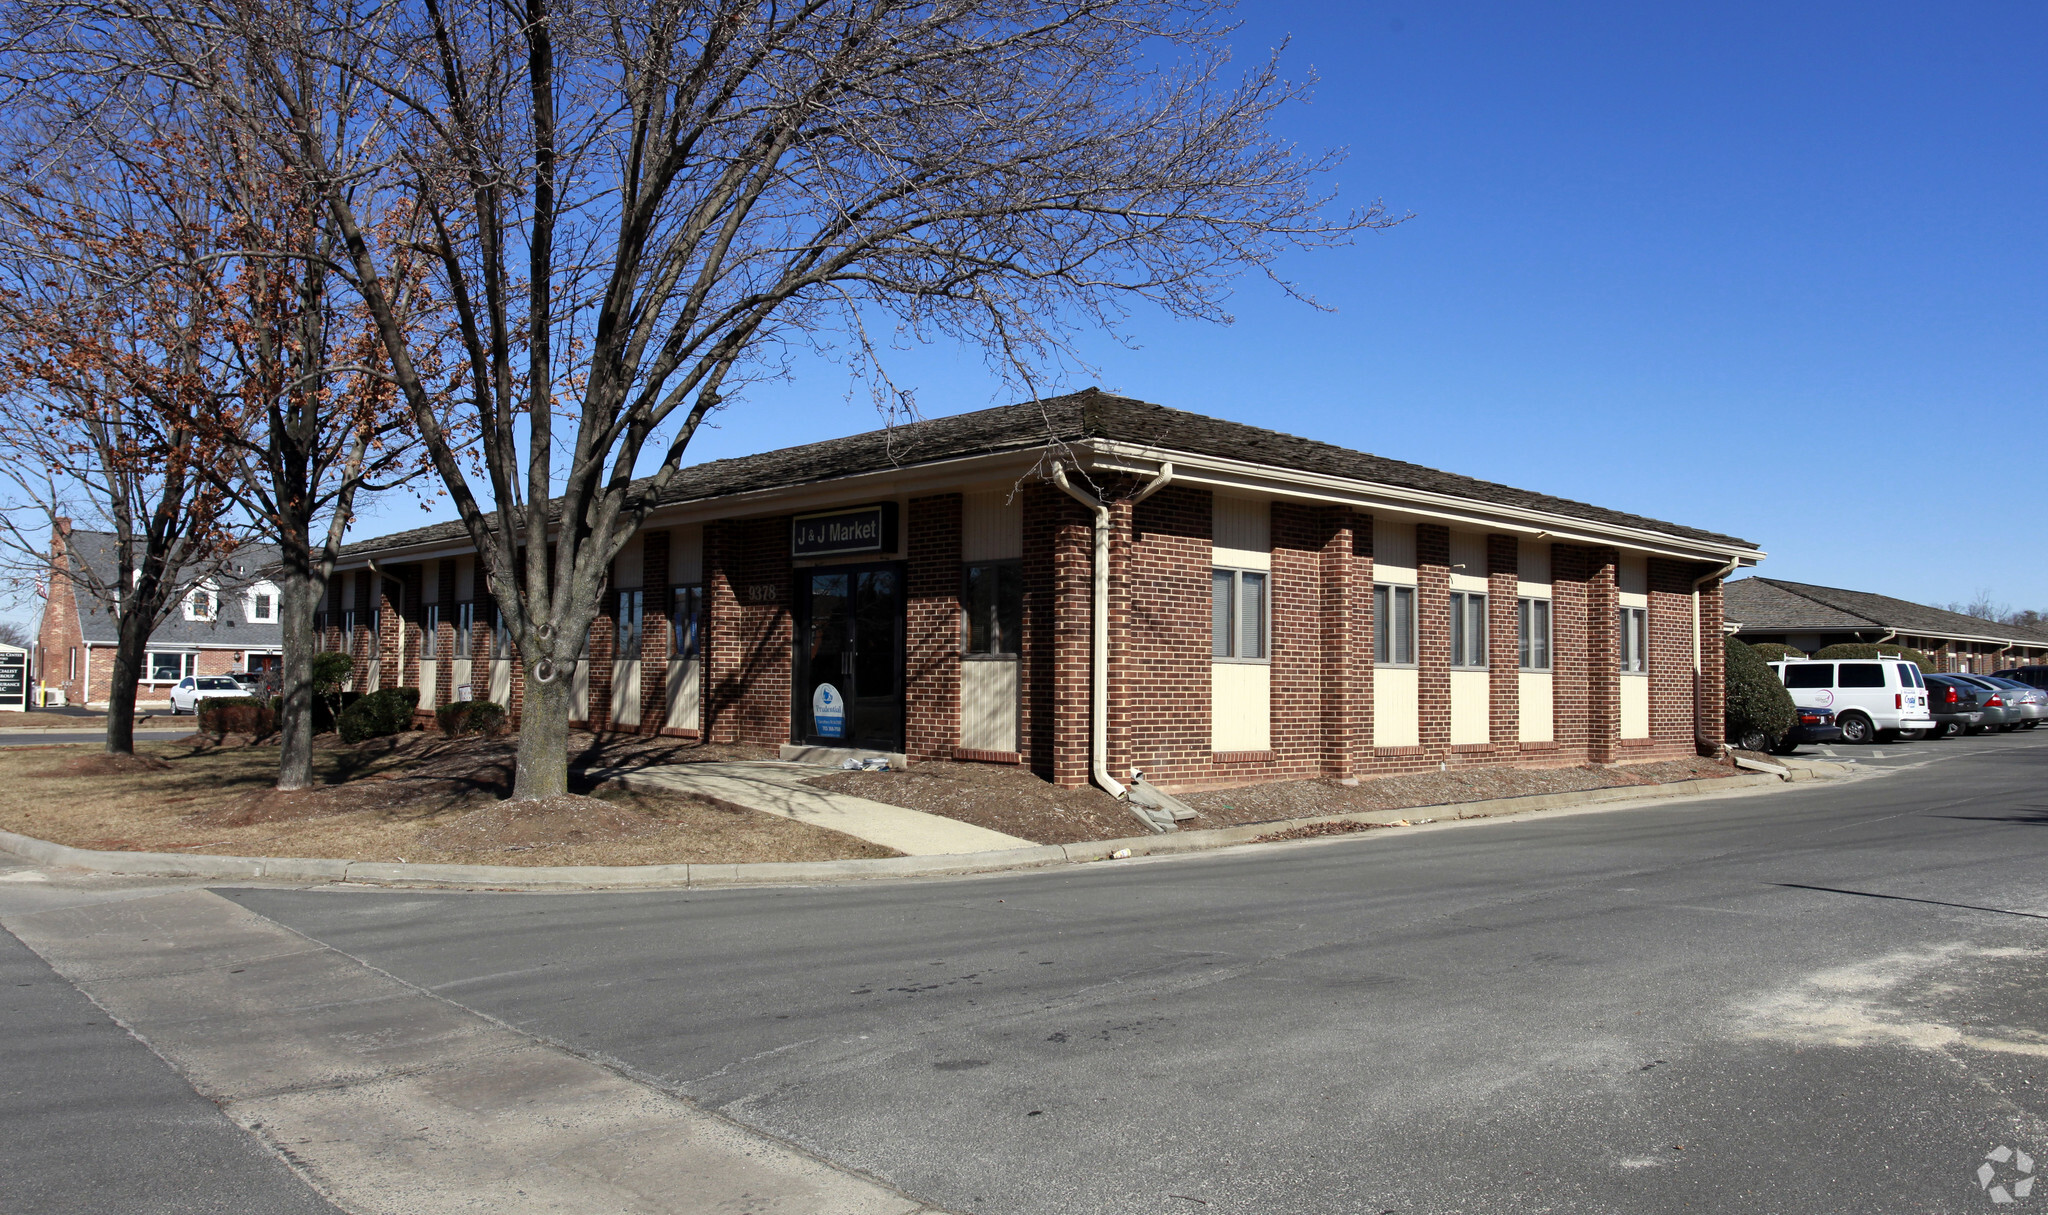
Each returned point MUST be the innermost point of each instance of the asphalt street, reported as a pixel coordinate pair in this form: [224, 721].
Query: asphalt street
[1823, 997]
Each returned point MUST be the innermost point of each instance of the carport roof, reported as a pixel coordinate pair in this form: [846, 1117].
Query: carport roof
[1077, 417]
[1774, 605]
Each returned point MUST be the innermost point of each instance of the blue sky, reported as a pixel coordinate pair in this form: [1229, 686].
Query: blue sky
[1771, 270]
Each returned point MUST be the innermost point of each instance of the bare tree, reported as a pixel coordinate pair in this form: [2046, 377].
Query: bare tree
[106, 345]
[635, 206]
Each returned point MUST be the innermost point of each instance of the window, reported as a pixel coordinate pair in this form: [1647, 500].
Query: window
[170, 666]
[1635, 637]
[465, 618]
[1910, 675]
[993, 603]
[1468, 630]
[1810, 675]
[628, 631]
[1861, 675]
[262, 605]
[348, 631]
[1393, 625]
[430, 633]
[1532, 623]
[1237, 607]
[200, 603]
[685, 621]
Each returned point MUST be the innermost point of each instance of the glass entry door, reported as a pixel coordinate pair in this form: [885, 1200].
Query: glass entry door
[849, 659]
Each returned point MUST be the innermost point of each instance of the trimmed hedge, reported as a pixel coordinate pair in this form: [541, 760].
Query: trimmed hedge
[1772, 651]
[238, 715]
[485, 717]
[1851, 649]
[386, 712]
[1756, 701]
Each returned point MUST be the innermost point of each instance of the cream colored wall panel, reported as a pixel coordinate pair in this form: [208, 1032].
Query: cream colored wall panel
[1632, 578]
[458, 675]
[1468, 561]
[579, 691]
[1538, 724]
[1535, 569]
[988, 705]
[1635, 706]
[992, 529]
[1240, 706]
[430, 671]
[1396, 716]
[376, 680]
[1393, 560]
[682, 694]
[629, 564]
[501, 681]
[1471, 707]
[686, 554]
[626, 692]
[1243, 532]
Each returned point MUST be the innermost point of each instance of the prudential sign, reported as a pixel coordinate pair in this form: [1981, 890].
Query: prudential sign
[864, 529]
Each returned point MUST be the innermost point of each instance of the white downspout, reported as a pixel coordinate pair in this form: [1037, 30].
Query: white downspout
[1098, 660]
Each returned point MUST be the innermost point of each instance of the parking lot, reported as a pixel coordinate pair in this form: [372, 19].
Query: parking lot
[1899, 754]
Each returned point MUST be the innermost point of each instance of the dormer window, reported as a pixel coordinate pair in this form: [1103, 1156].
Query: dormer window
[262, 604]
[201, 604]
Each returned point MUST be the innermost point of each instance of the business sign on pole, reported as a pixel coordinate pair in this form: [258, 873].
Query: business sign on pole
[864, 529]
[13, 680]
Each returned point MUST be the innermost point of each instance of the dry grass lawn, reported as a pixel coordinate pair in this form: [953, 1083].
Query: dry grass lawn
[415, 798]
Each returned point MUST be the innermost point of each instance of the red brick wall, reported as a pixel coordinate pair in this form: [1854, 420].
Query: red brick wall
[1345, 640]
[654, 631]
[1503, 643]
[1161, 687]
[1672, 688]
[1711, 730]
[1053, 525]
[1571, 722]
[1433, 637]
[61, 634]
[747, 668]
[444, 633]
[1603, 655]
[359, 644]
[931, 629]
[598, 654]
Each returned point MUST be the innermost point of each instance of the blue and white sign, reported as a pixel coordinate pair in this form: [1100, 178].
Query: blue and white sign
[828, 712]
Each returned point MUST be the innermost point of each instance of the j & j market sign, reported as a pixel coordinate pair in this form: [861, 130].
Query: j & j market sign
[866, 529]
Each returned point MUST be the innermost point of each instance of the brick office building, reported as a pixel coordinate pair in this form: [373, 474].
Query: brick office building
[1808, 618]
[225, 622]
[1275, 607]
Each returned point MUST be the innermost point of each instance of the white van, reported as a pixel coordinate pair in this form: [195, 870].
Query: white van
[1869, 696]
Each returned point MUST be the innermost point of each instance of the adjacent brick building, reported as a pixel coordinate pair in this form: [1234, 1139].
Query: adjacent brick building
[226, 622]
[1808, 618]
[1276, 607]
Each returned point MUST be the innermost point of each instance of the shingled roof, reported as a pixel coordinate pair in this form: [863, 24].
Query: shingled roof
[1772, 605]
[1089, 414]
[98, 623]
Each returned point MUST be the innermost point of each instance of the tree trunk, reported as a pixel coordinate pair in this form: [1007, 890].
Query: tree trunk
[130, 652]
[543, 769]
[295, 715]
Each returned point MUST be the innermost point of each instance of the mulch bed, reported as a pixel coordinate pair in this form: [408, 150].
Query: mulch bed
[1015, 801]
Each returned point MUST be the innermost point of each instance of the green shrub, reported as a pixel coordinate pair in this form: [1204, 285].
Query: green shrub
[238, 715]
[331, 669]
[1849, 649]
[486, 717]
[1772, 651]
[378, 714]
[1756, 702]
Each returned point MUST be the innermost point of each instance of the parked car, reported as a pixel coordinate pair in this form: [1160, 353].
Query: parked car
[2028, 699]
[191, 690]
[1812, 726]
[2033, 676]
[1869, 697]
[2001, 713]
[1958, 707]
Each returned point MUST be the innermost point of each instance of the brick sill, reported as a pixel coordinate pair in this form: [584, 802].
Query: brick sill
[1241, 757]
[1539, 746]
[1397, 751]
[1484, 748]
[1638, 742]
[973, 756]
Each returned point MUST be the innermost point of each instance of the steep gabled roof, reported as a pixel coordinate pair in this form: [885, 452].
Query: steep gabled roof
[1090, 414]
[98, 552]
[1774, 605]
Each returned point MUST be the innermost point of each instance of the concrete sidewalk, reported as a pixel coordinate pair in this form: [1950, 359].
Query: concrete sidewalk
[779, 789]
[389, 1099]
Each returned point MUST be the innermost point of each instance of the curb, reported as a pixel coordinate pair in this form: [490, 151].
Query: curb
[687, 876]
